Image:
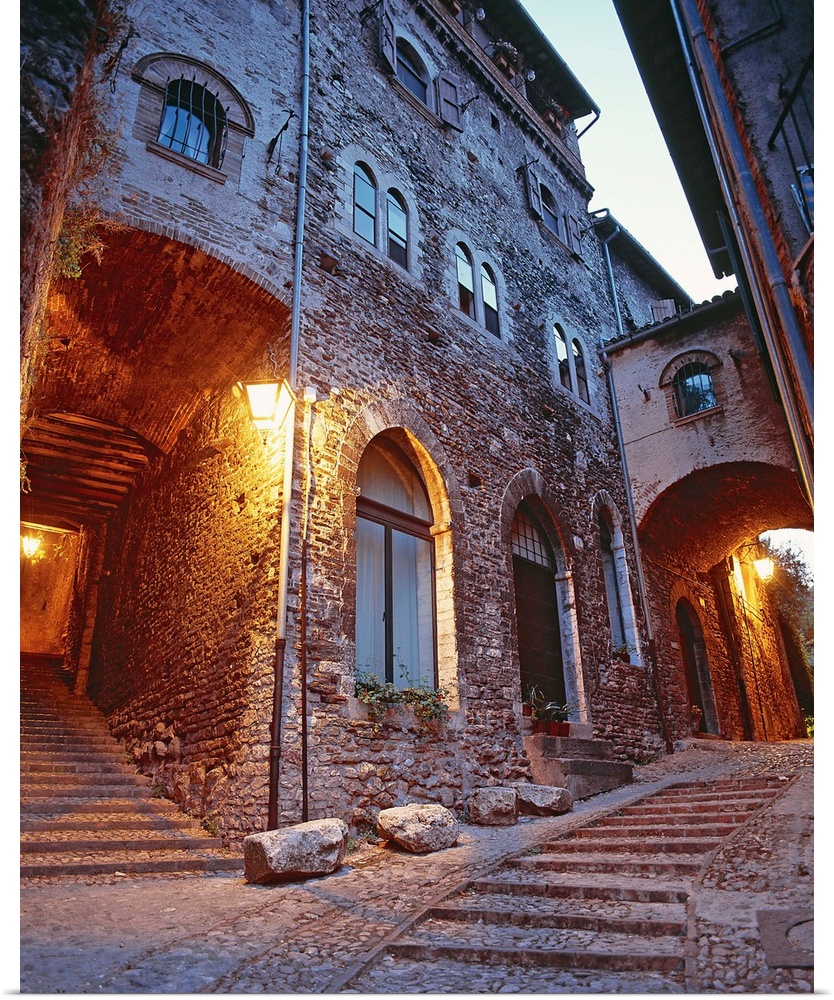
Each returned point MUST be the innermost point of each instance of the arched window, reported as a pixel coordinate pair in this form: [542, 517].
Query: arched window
[466, 281]
[612, 586]
[693, 389]
[489, 291]
[550, 213]
[395, 603]
[411, 72]
[397, 219]
[537, 610]
[193, 122]
[562, 355]
[581, 373]
[364, 203]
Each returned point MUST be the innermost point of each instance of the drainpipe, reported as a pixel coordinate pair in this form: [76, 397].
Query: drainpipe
[641, 581]
[289, 441]
[742, 186]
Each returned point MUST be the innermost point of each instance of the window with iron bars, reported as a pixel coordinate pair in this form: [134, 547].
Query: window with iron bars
[193, 122]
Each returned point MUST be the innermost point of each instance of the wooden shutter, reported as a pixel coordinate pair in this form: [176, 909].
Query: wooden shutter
[388, 37]
[574, 239]
[534, 195]
[448, 99]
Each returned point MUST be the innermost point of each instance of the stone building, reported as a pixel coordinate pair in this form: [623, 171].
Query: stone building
[383, 208]
[734, 96]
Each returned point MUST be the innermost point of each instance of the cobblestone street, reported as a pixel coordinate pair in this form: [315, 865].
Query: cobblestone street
[218, 934]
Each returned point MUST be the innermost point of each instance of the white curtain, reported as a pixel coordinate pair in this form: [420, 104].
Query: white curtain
[370, 598]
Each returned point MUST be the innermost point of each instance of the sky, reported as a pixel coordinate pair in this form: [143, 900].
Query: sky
[626, 159]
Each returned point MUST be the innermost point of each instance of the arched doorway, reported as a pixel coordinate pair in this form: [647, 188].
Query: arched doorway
[696, 666]
[540, 648]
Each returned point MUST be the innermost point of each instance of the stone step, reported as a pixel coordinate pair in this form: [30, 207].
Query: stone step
[668, 845]
[139, 862]
[30, 791]
[141, 840]
[572, 958]
[566, 747]
[87, 779]
[582, 887]
[128, 820]
[640, 924]
[69, 742]
[629, 817]
[606, 862]
[45, 765]
[53, 806]
[632, 830]
[392, 975]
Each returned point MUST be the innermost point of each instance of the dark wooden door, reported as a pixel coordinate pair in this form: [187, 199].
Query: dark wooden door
[539, 636]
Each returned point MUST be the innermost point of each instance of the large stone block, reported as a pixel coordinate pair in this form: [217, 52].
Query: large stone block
[543, 800]
[419, 828]
[314, 848]
[494, 806]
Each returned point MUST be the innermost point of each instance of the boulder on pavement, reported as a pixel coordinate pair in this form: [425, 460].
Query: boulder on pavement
[314, 848]
[419, 828]
[543, 800]
[494, 806]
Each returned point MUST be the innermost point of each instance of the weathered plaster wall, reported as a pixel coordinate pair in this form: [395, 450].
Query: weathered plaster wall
[748, 425]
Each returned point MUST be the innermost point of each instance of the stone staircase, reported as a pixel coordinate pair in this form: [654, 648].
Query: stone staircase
[602, 909]
[83, 808]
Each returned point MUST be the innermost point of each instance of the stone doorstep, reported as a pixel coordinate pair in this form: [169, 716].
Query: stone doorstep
[570, 746]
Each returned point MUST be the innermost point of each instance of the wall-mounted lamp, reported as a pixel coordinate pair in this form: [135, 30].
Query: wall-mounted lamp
[765, 567]
[268, 403]
[31, 544]
[531, 75]
[480, 14]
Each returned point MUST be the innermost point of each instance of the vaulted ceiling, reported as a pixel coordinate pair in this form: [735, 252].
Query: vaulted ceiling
[132, 349]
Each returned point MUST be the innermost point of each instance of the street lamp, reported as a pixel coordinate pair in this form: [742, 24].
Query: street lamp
[31, 544]
[268, 403]
[764, 567]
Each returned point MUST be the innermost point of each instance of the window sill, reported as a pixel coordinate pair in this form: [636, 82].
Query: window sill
[185, 161]
[691, 417]
[548, 232]
[478, 330]
[416, 103]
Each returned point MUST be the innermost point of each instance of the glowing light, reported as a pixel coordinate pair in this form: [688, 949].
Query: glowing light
[764, 567]
[30, 544]
[268, 403]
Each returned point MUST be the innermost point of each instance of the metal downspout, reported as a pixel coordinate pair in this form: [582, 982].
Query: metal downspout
[641, 581]
[289, 444]
[702, 69]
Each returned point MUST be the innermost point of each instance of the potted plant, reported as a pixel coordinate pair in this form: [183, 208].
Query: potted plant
[697, 715]
[505, 57]
[532, 700]
[623, 651]
[556, 717]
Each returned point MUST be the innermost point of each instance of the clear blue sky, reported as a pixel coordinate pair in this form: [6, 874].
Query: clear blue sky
[625, 157]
